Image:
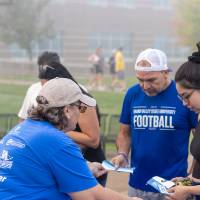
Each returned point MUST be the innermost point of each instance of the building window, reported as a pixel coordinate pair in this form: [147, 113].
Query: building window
[162, 4]
[112, 3]
[110, 41]
[99, 2]
[124, 3]
[171, 47]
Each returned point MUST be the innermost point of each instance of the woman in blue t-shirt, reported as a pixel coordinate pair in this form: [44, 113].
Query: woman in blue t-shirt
[39, 161]
[188, 85]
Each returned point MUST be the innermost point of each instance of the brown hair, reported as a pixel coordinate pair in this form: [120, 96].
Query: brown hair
[53, 115]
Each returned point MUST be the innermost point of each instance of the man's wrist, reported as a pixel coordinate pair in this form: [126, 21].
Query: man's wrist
[125, 156]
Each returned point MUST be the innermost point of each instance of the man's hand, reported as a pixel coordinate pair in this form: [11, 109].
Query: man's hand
[119, 161]
[96, 168]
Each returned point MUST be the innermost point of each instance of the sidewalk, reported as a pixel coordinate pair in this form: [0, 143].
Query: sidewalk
[118, 182]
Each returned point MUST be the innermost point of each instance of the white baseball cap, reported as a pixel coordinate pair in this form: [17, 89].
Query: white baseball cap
[62, 91]
[155, 57]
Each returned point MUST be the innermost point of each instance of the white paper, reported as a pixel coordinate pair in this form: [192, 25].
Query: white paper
[110, 167]
[160, 184]
[164, 182]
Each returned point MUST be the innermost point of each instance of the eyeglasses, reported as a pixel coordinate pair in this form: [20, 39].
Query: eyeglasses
[81, 108]
[186, 96]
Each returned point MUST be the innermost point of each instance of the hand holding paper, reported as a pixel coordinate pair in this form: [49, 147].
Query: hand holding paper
[160, 184]
[110, 167]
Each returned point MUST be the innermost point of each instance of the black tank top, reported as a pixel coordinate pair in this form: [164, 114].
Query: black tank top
[94, 155]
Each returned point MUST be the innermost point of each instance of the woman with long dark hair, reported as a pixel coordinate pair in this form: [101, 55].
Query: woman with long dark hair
[188, 86]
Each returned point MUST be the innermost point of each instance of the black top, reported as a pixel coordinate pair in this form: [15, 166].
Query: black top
[195, 151]
[94, 155]
[91, 154]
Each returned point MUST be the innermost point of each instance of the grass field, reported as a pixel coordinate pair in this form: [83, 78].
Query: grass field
[12, 95]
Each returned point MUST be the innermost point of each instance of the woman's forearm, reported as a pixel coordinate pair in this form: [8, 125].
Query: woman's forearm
[194, 190]
[84, 139]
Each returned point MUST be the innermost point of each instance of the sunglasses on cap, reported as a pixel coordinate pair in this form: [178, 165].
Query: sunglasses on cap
[43, 68]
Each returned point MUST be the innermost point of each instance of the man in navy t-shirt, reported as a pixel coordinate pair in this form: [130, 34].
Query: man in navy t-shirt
[155, 126]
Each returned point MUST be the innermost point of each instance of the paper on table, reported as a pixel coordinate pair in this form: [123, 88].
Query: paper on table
[110, 167]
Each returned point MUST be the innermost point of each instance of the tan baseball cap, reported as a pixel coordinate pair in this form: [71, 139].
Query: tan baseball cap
[62, 91]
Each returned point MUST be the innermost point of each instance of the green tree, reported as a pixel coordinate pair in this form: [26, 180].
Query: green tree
[23, 22]
[187, 21]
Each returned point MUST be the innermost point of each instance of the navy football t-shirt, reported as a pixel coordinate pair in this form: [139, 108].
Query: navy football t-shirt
[160, 129]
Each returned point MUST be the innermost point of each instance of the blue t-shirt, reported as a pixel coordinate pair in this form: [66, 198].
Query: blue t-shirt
[160, 127]
[37, 161]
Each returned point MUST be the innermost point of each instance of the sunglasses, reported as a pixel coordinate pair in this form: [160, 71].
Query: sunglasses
[81, 107]
[43, 68]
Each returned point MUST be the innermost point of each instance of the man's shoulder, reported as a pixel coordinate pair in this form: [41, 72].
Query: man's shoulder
[171, 89]
[132, 92]
[134, 88]
[35, 86]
